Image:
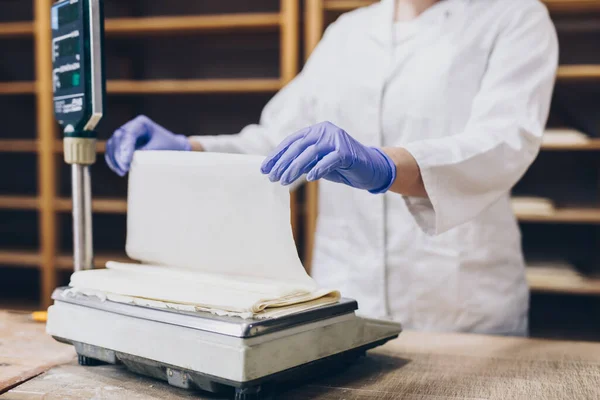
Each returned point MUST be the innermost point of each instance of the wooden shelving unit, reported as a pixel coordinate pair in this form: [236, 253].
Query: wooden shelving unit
[47, 145]
[315, 13]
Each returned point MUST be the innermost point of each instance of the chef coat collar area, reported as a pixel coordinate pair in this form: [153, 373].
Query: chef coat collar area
[384, 29]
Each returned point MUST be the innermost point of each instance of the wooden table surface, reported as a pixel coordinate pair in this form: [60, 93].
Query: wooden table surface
[420, 366]
[26, 350]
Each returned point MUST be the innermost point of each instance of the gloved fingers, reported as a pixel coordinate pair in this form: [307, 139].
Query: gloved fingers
[124, 149]
[292, 152]
[109, 157]
[327, 164]
[136, 127]
[302, 164]
[269, 162]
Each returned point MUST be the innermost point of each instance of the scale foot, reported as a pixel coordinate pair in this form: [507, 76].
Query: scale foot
[87, 361]
[248, 393]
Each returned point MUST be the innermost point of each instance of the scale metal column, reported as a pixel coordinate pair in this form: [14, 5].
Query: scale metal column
[79, 93]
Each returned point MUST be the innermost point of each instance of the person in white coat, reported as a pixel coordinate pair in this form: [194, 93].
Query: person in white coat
[437, 108]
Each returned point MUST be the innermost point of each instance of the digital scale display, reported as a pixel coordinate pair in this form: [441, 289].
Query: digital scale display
[68, 47]
[70, 79]
[78, 86]
[68, 13]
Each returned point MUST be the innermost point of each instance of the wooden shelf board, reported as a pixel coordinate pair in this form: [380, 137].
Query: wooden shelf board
[565, 215]
[19, 202]
[198, 23]
[17, 87]
[553, 5]
[172, 86]
[592, 144]
[345, 5]
[578, 72]
[168, 86]
[572, 5]
[540, 281]
[65, 261]
[20, 258]
[104, 206]
[16, 29]
[18, 146]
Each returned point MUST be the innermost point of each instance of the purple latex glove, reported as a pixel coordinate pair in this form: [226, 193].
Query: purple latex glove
[141, 133]
[327, 151]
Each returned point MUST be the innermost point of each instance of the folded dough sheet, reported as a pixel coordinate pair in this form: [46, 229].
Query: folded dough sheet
[212, 234]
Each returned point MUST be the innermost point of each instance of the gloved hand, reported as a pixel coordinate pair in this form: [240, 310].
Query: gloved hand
[327, 151]
[141, 133]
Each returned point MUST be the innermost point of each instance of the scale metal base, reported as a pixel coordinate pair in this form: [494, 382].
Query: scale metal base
[199, 350]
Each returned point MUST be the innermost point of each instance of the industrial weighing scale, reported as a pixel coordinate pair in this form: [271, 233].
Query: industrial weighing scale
[193, 350]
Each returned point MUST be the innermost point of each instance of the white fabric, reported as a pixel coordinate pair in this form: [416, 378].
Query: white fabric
[466, 89]
[213, 233]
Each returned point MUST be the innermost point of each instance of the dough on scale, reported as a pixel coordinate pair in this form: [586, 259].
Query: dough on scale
[212, 233]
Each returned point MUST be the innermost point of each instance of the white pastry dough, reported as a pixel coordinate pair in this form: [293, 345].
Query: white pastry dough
[212, 233]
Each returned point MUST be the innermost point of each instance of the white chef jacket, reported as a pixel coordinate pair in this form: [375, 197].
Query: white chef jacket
[466, 89]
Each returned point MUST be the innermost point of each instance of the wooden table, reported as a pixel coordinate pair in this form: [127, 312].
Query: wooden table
[26, 350]
[421, 366]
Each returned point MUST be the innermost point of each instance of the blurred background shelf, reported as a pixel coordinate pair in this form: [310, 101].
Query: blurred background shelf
[182, 86]
[104, 206]
[562, 282]
[578, 72]
[65, 261]
[19, 202]
[32, 259]
[565, 216]
[16, 88]
[18, 145]
[345, 5]
[572, 5]
[16, 29]
[590, 145]
[20, 258]
[187, 24]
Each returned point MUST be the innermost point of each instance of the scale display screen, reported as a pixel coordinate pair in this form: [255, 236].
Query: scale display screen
[68, 47]
[69, 79]
[68, 13]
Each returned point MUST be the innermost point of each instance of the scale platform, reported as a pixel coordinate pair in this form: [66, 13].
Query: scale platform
[202, 351]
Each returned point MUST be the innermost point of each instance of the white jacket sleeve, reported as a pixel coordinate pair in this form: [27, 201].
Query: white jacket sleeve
[468, 172]
[290, 110]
